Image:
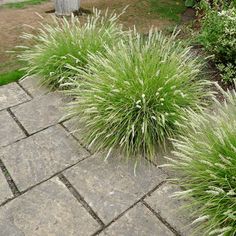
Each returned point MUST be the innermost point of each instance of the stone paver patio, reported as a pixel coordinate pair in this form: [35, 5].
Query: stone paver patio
[52, 185]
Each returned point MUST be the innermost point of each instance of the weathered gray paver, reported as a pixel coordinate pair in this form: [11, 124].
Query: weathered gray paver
[111, 187]
[47, 210]
[9, 130]
[75, 127]
[5, 191]
[41, 112]
[171, 209]
[138, 221]
[31, 84]
[38, 157]
[11, 95]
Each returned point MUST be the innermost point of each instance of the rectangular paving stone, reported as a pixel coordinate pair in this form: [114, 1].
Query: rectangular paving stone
[41, 112]
[38, 157]
[138, 221]
[31, 84]
[47, 210]
[5, 192]
[9, 130]
[11, 95]
[171, 209]
[111, 187]
[75, 127]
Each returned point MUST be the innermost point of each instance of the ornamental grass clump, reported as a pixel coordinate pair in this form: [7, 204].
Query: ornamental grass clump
[205, 158]
[68, 41]
[133, 98]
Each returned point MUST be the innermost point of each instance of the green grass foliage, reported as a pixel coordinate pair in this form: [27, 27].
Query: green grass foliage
[11, 76]
[134, 97]
[68, 42]
[205, 158]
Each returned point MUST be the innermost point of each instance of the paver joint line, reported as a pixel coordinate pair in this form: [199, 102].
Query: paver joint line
[65, 180]
[26, 91]
[161, 219]
[32, 187]
[81, 200]
[18, 122]
[72, 135]
[132, 206]
[9, 179]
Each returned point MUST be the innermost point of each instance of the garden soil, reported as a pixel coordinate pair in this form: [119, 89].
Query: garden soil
[13, 21]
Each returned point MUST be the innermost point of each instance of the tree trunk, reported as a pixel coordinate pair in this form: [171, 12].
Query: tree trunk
[66, 7]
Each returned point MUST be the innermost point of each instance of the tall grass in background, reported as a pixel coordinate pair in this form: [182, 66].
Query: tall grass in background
[134, 97]
[68, 42]
[205, 158]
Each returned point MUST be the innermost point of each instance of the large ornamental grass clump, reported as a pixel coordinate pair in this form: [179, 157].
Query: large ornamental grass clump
[205, 158]
[134, 97]
[65, 42]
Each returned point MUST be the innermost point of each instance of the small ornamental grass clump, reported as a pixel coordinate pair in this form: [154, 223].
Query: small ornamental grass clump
[68, 42]
[134, 97]
[205, 158]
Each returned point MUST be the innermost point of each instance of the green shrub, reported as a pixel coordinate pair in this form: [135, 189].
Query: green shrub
[228, 72]
[68, 42]
[190, 3]
[218, 36]
[134, 97]
[217, 5]
[205, 158]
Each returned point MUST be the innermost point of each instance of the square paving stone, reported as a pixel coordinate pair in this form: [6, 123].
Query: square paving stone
[31, 84]
[111, 186]
[138, 221]
[9, 130]
[5, 191]
[38, 157]
[47, 210]
[41, 112]
[171, 209]
[11, 95]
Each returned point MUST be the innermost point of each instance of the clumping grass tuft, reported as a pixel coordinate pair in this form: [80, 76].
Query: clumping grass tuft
[68, 42]
[134, 97]
[205, 158]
